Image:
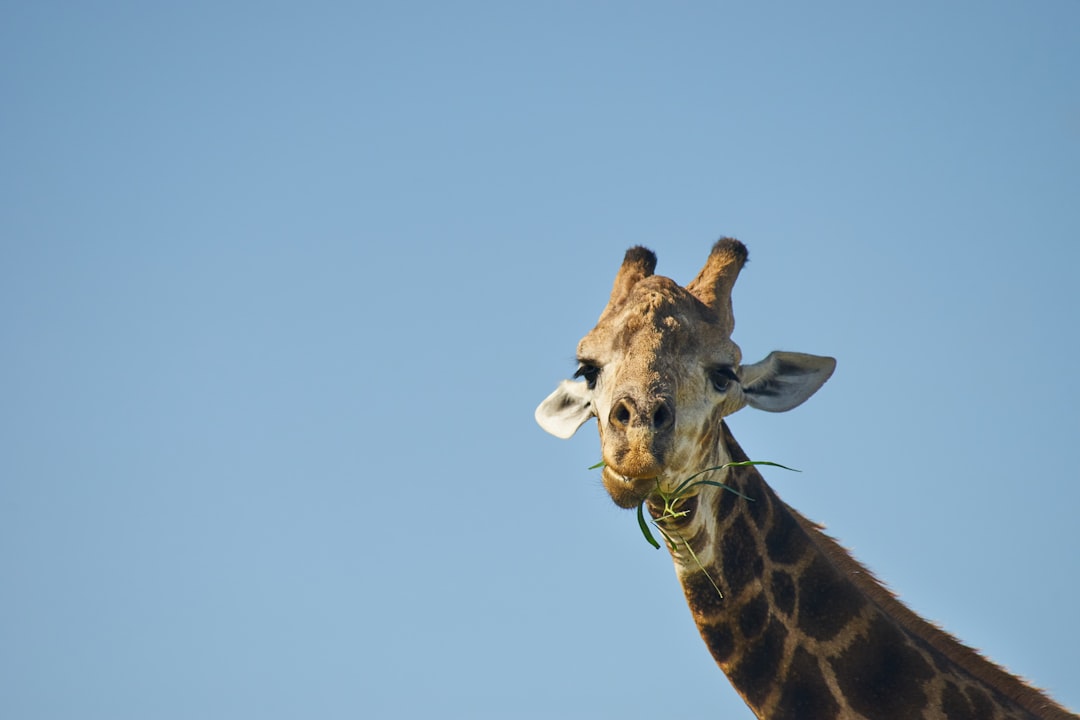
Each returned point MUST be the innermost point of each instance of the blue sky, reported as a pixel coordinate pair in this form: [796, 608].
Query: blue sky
[281, 284]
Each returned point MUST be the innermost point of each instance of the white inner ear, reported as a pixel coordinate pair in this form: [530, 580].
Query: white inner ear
[564, 410]
[784, 380]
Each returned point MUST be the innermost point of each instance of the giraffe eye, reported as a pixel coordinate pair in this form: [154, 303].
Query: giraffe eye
[590, 372]
[722, 378]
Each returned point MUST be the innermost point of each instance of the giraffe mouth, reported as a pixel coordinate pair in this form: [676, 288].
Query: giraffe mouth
[628, 491]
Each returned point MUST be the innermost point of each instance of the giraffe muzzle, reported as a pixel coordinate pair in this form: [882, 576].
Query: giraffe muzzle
[638, 435]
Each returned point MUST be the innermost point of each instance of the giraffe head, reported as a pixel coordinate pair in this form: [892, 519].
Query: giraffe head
[660, 370]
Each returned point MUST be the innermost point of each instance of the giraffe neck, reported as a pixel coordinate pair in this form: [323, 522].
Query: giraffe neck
[802, 630]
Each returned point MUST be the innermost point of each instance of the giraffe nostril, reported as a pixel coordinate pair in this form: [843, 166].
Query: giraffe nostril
[622, 414]
[663, 417]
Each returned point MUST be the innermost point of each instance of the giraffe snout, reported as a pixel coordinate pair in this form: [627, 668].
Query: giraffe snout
[639, 433]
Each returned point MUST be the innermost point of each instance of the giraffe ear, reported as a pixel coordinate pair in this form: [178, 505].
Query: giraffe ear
[564, 410]
[784, 380]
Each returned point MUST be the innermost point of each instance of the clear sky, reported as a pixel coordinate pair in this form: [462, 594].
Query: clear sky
[282, 283]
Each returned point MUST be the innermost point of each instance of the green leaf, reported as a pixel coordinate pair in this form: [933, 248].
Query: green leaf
[645, 526]
[672, 498]
[687, 482]
[759, 462]
[725, 487]
[702, 568]
[667, 538]
[597, 465]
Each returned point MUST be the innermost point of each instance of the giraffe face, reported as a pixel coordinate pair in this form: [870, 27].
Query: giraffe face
[662, 373]
[659, 372]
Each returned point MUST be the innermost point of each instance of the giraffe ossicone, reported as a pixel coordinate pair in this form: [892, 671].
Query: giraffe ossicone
[800, 628]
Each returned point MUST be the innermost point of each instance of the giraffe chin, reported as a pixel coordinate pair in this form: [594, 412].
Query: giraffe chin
[625, 491]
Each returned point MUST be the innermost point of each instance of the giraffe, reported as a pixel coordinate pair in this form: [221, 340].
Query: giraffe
[801, 629]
